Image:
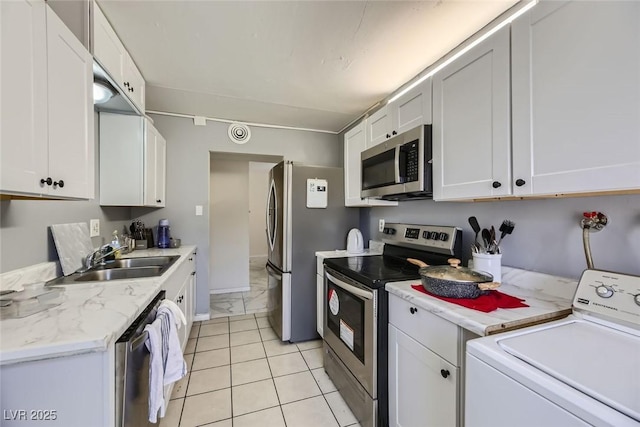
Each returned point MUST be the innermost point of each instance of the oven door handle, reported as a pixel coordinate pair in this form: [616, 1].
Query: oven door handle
[347, 287]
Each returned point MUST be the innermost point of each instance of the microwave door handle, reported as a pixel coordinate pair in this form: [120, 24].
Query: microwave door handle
[396, 163]
[347, 287]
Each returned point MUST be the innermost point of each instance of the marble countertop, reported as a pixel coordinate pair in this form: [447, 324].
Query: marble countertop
[91, 316]
[548, 297]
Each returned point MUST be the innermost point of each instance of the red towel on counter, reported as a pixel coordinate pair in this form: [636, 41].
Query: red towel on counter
[485, 303]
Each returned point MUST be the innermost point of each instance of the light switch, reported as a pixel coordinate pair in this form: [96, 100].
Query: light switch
[198, 210]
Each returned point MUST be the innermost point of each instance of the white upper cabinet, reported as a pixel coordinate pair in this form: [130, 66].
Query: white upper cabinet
[576, 98]
[378, 127]
[154, 167]
[109, 51]
[471, 123]
[47, 145]
[355, 142]
[132, 162]
[407, 112]
[412, 109]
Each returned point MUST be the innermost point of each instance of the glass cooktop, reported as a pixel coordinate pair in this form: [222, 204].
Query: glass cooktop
[374, 271]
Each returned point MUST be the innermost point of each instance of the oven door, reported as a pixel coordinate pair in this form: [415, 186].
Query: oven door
[350, 326]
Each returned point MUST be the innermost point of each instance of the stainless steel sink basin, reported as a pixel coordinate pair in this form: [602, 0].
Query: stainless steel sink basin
[151, 261]
[120, 269]
[119, 273]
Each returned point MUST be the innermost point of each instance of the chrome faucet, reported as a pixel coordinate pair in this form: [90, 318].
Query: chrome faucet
[97, 257]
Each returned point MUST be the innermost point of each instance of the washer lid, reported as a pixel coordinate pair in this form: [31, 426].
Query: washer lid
[599, 361]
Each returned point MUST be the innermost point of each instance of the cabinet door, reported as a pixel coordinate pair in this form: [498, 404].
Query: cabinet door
[378, 127]
[182, 303]
[355, 143]
[134, 84]
[23, 84]
[411, 109]
[471, 123]
[422, 386]
[107, 47]
[150, 164]
[161, 170]
[70, 103]
[576, 97]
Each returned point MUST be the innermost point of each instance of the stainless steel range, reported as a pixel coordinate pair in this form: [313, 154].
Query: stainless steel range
[356, 312]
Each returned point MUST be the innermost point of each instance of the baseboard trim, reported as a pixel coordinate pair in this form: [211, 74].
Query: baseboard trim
[229, 290]
[201, 317]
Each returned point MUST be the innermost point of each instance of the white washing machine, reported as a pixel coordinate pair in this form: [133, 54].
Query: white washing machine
[580, 371]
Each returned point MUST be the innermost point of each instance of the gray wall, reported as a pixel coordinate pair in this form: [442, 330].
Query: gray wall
[547, 237]
[25, 238]
[188, 148]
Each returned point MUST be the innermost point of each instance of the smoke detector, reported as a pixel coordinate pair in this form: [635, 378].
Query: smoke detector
[239, 133]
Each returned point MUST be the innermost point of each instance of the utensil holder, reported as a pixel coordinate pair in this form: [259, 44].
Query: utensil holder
[489, 263]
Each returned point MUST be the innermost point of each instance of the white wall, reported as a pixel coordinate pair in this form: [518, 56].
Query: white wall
[229, 207]
[188, 174]
[258, 189]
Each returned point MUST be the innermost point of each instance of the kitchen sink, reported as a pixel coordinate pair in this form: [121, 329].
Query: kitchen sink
[120, 269]
[151, 261]
[119, 273]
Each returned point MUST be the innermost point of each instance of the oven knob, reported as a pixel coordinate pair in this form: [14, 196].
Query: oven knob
[388, 230]
[425, 235]
[604, 291]
[433, 235]
[443, 236]
[636, 298]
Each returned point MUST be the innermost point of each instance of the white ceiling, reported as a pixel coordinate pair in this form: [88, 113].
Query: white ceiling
[307, 64]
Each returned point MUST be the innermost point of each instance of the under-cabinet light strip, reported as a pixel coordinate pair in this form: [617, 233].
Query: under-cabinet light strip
[457, 55]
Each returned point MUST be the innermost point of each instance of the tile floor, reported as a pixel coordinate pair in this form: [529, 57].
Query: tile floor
[241, 375]
[253, 301]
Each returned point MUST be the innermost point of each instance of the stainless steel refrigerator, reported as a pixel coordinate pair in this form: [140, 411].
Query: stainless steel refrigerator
[294, 233]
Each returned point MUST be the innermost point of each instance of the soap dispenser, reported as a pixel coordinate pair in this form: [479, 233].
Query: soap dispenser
[116, 244]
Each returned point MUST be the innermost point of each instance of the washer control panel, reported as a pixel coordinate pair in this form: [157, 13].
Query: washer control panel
[614, 295]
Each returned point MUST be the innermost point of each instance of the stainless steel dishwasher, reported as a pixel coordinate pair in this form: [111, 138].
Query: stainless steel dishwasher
[132, 370]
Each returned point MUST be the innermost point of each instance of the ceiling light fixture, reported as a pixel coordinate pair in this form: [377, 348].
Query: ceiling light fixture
[476, 42]
[102, 92]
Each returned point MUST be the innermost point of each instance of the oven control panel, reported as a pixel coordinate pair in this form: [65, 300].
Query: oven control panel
[435, 238]
[613, 295]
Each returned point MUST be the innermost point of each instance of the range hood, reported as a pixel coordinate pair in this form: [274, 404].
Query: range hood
[118, 102]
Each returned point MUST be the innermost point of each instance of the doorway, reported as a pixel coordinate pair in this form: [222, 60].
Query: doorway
[238, 186]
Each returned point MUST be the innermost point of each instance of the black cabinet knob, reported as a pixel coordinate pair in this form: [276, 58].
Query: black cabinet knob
[193, 273]
[158, 201]
[520, 182]
[496, 184]
[394, 133]
[58, 183]
[130, 89]
[191, 259]
[445, 373]
[413, 310]
[47, 181]
[388, 136]
[126, 84]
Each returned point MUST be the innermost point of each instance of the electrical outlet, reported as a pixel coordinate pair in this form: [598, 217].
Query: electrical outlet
[381, 225]
[94, 228]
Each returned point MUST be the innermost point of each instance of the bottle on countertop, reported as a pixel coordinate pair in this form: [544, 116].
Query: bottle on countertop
[116, 244]
[163, 234]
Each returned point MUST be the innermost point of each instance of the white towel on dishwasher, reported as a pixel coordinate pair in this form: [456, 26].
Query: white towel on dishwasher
[166, 363]
[177, 313]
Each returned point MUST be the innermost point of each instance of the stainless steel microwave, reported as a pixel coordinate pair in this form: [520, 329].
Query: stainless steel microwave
[399, 168]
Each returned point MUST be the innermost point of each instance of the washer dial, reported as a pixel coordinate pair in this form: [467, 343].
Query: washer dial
[604, 291]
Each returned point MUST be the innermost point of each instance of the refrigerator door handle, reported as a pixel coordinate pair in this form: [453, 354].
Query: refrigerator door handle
[273, 273]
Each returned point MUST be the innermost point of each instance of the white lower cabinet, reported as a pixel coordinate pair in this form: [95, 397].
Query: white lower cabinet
[425, 367]
[422, 385]
[180, 289]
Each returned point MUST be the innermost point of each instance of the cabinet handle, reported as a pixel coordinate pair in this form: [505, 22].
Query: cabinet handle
[445, 373]
[394, 133]
[47, 181]
[413, 310]
[158, 201]
[58, 183]
[126, 84]
[496, 184]
[388, 136]
[130, 89]
[520, 182]
[191, 259]
[193, 273]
